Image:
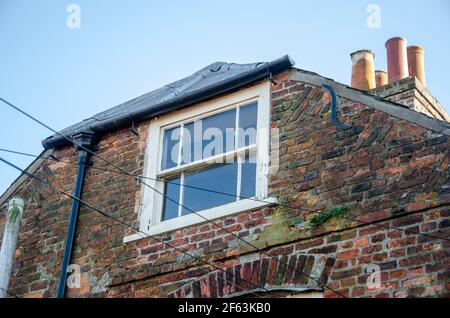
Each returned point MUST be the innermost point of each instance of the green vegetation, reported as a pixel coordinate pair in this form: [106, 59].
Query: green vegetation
[14, 212]
[322, 217]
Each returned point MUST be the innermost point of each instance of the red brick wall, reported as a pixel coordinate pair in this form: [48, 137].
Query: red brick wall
[386, 171]
[412, 93]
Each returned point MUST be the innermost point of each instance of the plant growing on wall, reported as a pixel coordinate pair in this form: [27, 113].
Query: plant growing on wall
[320, 218]
[323, 217]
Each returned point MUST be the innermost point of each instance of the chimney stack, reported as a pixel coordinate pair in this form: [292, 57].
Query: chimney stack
[363, 70]
[381, 78]
[404, 81]
[397, 60]
[416, 62]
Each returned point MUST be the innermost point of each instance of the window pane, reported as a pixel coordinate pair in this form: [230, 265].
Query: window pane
[218, 133]
[248, 177]
[192, 141]
[209, 136]
[171, 144]
[172, 190]
[221, 178]
[248, 115]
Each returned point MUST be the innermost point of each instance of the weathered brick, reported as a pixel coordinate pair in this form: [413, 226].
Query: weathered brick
[382, 168]
[333, 154]
[361, 187]
[345, 274]
[362, 242]
[348, 254]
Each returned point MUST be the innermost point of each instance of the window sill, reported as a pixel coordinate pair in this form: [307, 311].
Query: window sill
[194, 219]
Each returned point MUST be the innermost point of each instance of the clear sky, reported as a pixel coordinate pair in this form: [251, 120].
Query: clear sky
[124, 49]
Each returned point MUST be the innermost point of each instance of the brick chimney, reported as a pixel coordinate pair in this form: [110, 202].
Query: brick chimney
[406, 80]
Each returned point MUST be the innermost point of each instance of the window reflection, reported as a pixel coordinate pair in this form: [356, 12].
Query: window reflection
[220, 178]
[172, 190]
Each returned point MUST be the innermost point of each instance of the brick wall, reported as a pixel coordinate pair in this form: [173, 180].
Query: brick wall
[413, 94]
[388, 173]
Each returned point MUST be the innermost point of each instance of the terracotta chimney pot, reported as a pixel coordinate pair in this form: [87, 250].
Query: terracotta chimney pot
[416, 63]
[397, 60]
[381, 78]
[363, 70]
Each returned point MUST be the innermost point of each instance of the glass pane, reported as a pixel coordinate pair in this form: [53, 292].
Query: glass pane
[248, 115]
[171, 144]
[248, 177]
[218, 133]
[221, 178]
[192, 143]
[209, 136]
[172, 190]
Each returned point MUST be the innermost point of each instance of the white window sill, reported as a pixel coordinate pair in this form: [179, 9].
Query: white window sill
[194, 219]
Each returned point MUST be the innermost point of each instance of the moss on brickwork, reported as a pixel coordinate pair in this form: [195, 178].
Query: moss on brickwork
[279, 230]
[318, 219]
[323, 217]
[14, 212]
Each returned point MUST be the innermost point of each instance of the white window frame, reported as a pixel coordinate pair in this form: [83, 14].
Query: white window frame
[152, 202]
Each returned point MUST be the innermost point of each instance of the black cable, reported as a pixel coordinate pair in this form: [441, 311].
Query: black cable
[163, 194]
[145, 235]
[166, 196]
[236, 196]
[160, 180]
[190, 210]
[19, 153]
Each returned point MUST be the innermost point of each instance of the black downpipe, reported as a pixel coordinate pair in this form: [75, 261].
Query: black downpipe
[84, 139]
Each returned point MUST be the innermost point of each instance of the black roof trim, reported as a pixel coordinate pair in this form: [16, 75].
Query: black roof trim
[126, 114]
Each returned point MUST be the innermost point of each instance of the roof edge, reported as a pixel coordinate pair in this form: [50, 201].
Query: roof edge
[397, 110]
[31, 169]
[258, 73]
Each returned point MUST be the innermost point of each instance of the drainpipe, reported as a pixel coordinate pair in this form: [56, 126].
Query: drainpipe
[334, 116]
[10, 234]
[84, 139]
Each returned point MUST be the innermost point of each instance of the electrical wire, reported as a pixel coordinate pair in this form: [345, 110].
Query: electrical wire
[143, 234]
[233, 195]
[174, 201]
[167, 197]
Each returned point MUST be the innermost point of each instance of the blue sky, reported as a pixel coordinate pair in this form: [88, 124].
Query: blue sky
[127, 48]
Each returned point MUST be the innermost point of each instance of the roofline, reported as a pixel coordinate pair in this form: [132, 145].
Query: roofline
[397, 110]
[258, 73]
[31, 169]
